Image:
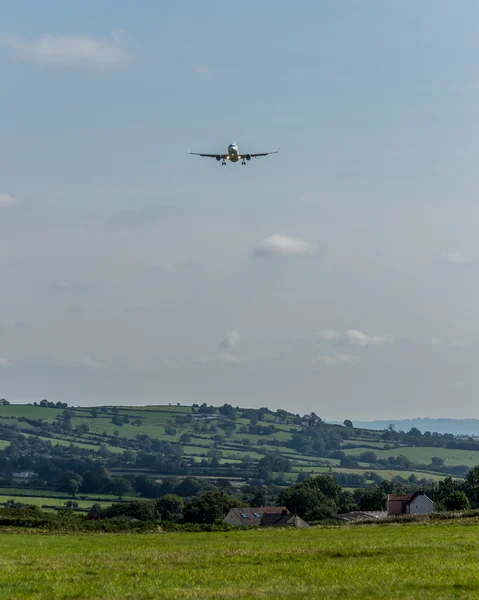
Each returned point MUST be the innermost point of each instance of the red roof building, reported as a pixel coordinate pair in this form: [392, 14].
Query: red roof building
[409, 504]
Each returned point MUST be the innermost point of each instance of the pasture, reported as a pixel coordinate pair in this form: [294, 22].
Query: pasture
[408, 561]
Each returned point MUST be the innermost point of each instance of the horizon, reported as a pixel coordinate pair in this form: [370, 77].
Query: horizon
[327, 420]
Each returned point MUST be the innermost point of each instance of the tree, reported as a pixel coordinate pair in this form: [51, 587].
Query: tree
[349, 462]
[346, 502]
[185, 438]
[471, 486]
[73, 487]
[315, 498]
[170, 507]
[369, 457]
[95, 511]
[314, 420]
[68, 414]
[65, 482]
[228, 411]
[372, 499]
[456, 501]
[437, 461]
[348, 423]
[94, 412]
[209, 507]
[120, 486]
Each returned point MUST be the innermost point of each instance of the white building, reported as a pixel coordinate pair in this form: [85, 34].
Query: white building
[409, 504]
[25, 475]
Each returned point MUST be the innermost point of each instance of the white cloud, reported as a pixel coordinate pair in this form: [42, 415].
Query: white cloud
[358, 338]
[230, 341]
[69, 50]
[454, 258]
[435, 341]
[83, 363]
[337, 359]
[4, 362]
[282, 245]
[7, 201]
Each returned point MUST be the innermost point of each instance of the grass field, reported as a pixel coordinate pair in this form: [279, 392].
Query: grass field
[423, 561]
[423, 455]
[39, 501]
[154, 420]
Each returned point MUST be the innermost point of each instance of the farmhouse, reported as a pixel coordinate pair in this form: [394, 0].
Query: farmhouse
[264, 516]
[409, 504]
[25, 475]
[252, 515]
[289, 520]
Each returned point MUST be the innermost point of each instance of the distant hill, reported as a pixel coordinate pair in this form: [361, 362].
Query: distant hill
[106, 450]
[455, 426]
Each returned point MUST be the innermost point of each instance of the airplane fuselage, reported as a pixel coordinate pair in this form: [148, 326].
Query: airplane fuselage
[233, 152]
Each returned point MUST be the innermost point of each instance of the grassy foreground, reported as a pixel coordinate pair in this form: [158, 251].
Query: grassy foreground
[380, 561]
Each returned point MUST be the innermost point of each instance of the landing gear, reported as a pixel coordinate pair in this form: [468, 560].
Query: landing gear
[223, 163]
[243, 162]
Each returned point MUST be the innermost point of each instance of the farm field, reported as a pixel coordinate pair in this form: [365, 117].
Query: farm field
[370, 562]
[424, 455]
[216, 445]
[39, 501]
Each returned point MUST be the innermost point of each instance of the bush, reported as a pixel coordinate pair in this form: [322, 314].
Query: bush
[456, 501]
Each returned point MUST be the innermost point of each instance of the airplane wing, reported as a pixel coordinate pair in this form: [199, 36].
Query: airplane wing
[223, 156]
[258, 154]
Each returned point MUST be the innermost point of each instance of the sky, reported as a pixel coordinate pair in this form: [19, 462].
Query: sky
[339, 276]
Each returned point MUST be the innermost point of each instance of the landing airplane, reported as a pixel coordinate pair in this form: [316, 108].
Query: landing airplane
[233, 155]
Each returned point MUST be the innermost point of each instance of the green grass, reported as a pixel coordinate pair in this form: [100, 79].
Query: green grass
[423, 455]
[412, 561]
[31, 412]
[74, 441]
[40, 501]
[25, 491]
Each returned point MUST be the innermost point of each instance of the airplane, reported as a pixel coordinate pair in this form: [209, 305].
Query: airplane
[233, 155]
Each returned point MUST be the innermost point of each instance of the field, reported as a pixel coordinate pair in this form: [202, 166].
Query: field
[111, 431]
[40, 501]
[423, 561]
[424, 455]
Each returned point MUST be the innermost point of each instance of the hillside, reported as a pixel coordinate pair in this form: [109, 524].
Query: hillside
[96, 452]
[455, 426]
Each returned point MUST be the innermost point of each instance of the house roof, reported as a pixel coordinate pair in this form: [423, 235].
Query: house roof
[275, 520]
[252, 515]
[400, 497]
[406, 497]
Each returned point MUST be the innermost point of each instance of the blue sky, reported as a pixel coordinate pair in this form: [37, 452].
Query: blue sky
[339, 276]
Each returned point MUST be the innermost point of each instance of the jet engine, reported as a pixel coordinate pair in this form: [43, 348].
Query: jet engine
[218, 157]
[248, 157]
